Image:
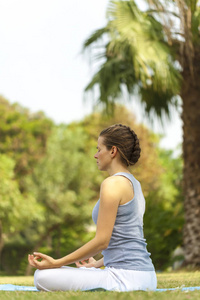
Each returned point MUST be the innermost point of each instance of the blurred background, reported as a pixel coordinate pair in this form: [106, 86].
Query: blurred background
[64, 76]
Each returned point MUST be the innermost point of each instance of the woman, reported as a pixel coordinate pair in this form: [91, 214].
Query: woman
[118, 215]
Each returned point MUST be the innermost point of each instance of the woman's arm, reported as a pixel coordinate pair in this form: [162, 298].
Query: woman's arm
[109, 202]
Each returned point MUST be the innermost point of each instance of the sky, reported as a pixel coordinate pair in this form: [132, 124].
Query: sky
[42, 65]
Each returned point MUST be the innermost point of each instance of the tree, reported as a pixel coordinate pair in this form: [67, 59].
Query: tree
[155, 52]
[23, 137]
[15, 214]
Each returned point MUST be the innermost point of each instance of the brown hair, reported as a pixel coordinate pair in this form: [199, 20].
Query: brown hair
[126, 141]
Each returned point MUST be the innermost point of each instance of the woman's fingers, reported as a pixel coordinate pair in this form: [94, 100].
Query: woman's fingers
[88, 263]
[81, 263]
[78, 264]
[41, 261]
[31, 260]
[34, 259]
[40, 255]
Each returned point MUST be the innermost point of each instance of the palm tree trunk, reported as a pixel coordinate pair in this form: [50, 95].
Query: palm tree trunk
[191, 152]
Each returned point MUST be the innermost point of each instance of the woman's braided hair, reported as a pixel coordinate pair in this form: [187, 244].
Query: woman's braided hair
[126, 141]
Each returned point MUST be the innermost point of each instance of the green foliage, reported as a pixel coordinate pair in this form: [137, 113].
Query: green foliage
[17, 212]
[23, 136]
[164, 218]
[14, 211]
[136, 56]
[22, 143]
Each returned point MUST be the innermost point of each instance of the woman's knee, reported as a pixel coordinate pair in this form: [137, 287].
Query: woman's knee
[40, 279]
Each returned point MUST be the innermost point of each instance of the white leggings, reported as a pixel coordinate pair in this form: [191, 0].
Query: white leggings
[111, 279]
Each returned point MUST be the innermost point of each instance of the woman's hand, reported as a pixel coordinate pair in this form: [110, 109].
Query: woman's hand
[88, 263]
[41, 261]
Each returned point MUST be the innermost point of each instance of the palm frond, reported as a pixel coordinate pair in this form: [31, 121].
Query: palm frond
[95, 37]
[145, 37]
[110, 77]
[137, 56]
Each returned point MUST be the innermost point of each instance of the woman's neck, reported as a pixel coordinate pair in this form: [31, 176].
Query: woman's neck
[118, 169]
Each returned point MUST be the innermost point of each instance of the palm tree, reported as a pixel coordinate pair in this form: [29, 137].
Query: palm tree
[155, 52]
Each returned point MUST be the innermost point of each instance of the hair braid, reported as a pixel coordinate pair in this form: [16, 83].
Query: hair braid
[136, 148]
[126, 141]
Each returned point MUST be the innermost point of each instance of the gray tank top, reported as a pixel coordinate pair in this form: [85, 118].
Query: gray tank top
[127, 246]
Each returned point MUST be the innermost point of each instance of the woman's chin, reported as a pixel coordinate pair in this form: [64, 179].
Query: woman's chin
[99, 167]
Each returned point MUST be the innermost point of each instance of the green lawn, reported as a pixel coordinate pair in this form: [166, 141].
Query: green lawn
[165, 280]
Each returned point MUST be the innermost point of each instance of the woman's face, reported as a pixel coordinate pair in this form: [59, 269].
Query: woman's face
[102, 156]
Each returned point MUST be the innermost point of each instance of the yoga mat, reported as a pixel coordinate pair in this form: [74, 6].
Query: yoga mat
[12, 287]
[189, 288]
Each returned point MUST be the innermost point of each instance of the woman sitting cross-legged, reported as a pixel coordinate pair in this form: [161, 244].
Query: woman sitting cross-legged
[118, 215]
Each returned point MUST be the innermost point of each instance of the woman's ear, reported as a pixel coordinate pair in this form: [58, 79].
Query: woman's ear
[114, 151]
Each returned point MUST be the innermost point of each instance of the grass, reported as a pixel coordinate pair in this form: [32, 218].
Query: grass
[165, 280]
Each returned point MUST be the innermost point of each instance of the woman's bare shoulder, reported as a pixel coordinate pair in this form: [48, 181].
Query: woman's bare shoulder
[115, 181]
